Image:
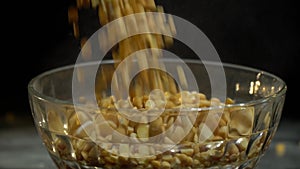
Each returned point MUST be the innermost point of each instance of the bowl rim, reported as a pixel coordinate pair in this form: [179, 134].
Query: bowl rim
[33, 92]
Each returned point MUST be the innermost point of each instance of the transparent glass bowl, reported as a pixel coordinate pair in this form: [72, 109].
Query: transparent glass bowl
[238, 139]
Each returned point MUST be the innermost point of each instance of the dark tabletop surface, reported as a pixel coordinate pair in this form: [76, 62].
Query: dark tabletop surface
[21, 147]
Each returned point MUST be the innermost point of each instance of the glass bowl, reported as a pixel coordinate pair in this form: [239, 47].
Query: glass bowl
[232, 132]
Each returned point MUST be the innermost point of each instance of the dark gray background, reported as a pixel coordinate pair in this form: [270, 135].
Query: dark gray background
[257, 33]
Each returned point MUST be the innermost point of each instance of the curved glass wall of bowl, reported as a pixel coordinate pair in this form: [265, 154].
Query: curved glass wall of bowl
[249, 120]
